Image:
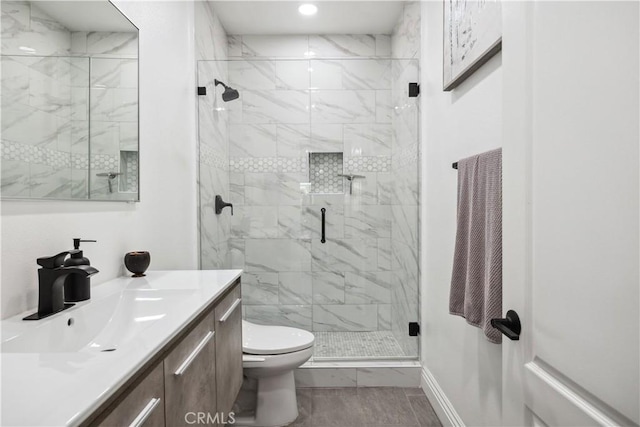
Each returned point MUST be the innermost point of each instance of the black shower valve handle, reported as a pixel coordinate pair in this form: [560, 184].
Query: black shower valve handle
[221, 204]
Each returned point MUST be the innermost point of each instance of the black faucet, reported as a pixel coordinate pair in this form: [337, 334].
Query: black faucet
[221, 204]
[51, 282]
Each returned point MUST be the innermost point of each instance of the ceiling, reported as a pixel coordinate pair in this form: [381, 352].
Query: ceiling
[333, 17]
[87, 15]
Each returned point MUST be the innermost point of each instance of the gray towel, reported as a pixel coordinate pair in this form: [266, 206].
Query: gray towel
[476, 282]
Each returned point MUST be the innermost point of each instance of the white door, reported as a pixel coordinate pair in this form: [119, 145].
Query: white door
[571, 212]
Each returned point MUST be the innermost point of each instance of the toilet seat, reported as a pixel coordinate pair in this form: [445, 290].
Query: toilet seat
[272, 340]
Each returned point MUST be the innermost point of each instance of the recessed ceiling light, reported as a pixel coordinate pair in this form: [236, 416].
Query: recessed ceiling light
[308, 9]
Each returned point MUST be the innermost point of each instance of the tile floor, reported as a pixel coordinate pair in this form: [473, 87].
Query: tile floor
[359, 345]
[364, 407]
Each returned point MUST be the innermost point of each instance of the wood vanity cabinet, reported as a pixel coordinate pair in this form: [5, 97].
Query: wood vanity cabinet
[143, 403]
[190, 375]
[228, 321]
[198, 372]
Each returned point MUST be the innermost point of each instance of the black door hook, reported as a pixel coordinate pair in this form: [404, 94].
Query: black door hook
[510, 325]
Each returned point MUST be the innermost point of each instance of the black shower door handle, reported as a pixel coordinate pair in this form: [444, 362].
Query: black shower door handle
[323, 212]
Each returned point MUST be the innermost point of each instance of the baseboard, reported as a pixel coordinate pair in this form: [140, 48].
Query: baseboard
[441, 404]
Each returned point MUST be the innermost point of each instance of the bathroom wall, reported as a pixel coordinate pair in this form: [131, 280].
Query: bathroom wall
[294, 102]
[405, 43]
[164, 222]
[213, 138]
[45, 130]
[454, 125]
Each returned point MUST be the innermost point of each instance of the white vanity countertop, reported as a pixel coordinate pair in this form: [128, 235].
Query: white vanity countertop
[55, 389]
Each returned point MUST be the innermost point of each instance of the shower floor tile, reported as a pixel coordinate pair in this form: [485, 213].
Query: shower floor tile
[377, 344]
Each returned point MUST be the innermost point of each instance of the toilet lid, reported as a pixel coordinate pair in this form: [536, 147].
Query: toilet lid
[264, 339]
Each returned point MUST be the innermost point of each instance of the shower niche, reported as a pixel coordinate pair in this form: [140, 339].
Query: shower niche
[326, 173]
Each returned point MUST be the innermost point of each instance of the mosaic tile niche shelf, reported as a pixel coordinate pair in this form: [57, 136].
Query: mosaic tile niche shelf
[324, 169]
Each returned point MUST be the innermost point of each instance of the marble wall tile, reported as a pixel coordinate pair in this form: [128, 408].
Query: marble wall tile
[252, 140]
[405, 38]
[364, 222]
[295, 288]
[259, 288]
[252, 75]
[291, 188]
[383, 45]
[368, 287]
[328, 287]
[275, 46]
[50, 182]
[236, 253]
[15, 81]
[385, 186]
[114, 73]
[344, 255]
[210, 36]
[384, 317]
[236, 188]
[234, 45]
[14, 180]
[366, 74]
[292, 140]
[292, 75]
[120, 43]
[325, 74]
[405, 224]
[281, 106]
[128, 136]
[342, 45]
[277, 255]
[28, 30]
[367, 139]
[104, 137]
[345, 317]
[261, 189]
[384, 254]
[326, 138]
[296, 316]
[290, 223]
[254, 222]
[384, 106]
[345, 106]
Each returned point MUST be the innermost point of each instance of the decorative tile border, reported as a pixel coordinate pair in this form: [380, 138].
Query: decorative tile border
[368, 164]
[104, 162]
[35, 154]
[406, 156]
[212, 157]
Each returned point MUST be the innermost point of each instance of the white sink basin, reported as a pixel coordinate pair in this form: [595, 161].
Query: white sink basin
[103, 325]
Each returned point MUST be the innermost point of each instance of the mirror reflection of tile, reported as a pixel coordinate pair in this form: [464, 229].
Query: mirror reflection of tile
[63, 90]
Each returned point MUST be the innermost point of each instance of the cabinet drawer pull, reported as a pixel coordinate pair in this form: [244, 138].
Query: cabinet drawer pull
[145, 413]
[229, 312]
[194, 354]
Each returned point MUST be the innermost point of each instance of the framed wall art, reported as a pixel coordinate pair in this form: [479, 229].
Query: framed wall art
[472, 35]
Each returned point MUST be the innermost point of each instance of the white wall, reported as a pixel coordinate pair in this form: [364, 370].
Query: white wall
[454, 125]
[164, 222]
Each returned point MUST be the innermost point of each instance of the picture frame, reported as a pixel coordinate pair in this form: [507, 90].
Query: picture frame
[472, 34]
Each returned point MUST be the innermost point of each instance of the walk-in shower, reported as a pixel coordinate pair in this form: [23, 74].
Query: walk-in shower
[307, 135]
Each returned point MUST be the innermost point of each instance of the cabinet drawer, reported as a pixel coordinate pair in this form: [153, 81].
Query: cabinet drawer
[190, 375]
[228, 321]
[142, 406]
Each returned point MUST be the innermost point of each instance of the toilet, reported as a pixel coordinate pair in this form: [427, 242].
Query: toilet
[270, 355]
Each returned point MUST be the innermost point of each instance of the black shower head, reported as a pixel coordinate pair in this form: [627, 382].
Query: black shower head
[229, 94]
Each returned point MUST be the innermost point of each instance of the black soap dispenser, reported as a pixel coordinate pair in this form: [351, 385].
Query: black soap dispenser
[77, 288]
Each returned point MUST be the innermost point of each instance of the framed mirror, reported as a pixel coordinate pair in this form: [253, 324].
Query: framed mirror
[69, 98]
